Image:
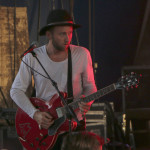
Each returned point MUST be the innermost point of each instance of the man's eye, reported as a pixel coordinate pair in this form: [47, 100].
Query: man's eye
[62, 33]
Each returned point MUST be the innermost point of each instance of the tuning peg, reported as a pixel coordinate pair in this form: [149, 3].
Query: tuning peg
[132, 87]
[136, 86]
[127, 88]
[132, 73]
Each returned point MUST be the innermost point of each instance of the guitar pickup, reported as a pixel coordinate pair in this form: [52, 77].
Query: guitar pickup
[61, 111]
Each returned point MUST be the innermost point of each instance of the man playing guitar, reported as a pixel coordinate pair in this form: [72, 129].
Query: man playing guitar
[54, 58]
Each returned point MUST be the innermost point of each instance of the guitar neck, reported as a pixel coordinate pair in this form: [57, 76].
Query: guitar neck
[94, 96]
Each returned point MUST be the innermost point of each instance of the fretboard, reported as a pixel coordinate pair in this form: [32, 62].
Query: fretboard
[94, 96]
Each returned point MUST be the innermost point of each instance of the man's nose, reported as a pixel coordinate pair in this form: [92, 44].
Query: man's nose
[67, 37]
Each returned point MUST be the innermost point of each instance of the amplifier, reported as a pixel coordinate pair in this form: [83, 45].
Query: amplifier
[9, 139]
[8, 135]
[7, 113]
[96, 119]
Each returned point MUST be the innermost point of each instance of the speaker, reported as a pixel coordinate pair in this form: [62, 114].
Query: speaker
[9, 139]
[96, 120]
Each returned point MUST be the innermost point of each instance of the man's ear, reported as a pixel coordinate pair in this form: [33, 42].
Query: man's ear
[48, 34]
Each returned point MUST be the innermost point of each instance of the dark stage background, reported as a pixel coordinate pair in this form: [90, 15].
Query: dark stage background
[111, 32]
[117, 33]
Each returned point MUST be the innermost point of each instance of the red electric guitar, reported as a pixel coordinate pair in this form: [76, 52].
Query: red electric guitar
[34, 138]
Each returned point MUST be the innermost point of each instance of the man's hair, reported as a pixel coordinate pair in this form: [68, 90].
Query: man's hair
[51, 29]
[82, 141]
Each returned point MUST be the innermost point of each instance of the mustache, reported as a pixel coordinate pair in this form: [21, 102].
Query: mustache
[67, 43]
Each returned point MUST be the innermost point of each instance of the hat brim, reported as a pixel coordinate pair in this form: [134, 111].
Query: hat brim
[44, 29]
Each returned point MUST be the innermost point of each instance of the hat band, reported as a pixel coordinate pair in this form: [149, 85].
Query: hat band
[63, 22]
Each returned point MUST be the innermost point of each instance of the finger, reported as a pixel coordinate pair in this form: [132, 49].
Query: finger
[85, 104]
[47, 125]
[48, 115]
[85, 107]
[82, 112]
[82, 104]
[47, 121]
[82, 96]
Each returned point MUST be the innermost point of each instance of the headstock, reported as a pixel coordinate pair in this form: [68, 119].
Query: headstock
[128, 81]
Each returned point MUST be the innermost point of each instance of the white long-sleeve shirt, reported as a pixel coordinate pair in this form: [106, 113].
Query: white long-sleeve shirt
[82, 76]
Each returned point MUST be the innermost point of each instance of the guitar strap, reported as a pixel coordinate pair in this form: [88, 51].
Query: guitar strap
[80, 127]
[69, 80]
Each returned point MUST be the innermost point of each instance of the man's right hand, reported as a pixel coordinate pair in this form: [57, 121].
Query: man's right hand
[44, 119]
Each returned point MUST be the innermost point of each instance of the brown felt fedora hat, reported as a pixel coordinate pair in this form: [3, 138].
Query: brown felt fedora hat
[58, 17]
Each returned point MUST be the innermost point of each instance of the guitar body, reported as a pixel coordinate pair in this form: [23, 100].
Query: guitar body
[30, 135]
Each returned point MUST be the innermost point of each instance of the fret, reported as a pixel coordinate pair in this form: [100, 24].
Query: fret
[100, 93]
[88, 98]
[74, 105]
[93, 96]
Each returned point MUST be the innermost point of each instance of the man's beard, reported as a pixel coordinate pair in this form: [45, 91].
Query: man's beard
[57, 46]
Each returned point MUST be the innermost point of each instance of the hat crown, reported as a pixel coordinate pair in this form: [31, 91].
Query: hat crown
[58, 15]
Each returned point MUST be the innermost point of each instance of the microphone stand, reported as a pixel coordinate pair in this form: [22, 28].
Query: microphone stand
[70, 113]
